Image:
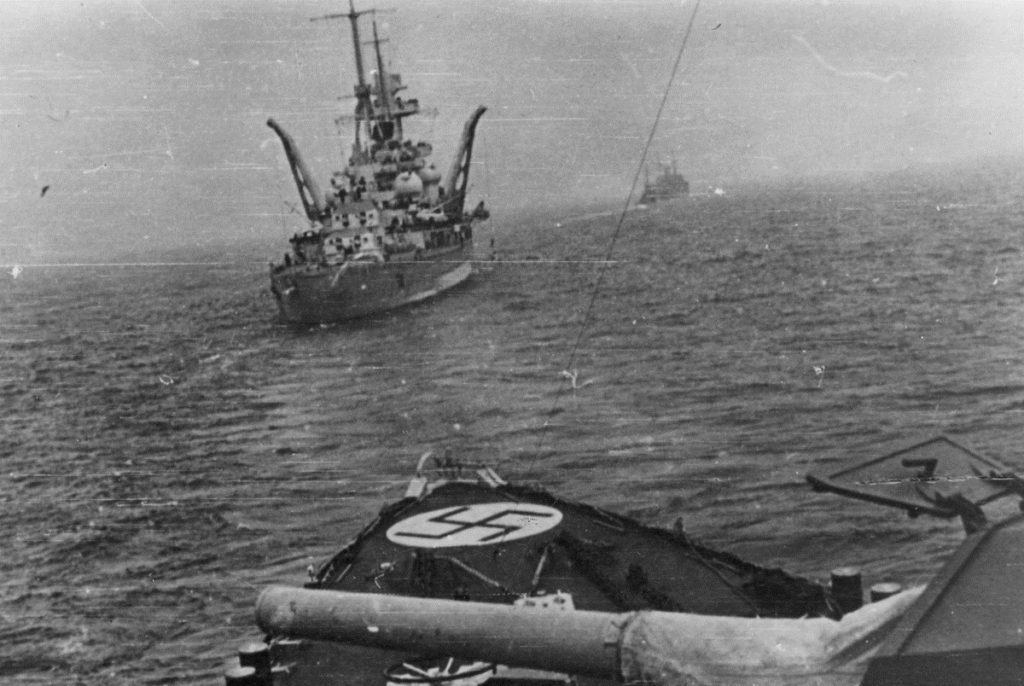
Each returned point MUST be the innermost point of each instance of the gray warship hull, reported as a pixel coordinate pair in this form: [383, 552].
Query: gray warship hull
[315, 294]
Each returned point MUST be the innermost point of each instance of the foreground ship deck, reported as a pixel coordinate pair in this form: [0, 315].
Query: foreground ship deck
[459, 574]
[463, 534]
[391, 230]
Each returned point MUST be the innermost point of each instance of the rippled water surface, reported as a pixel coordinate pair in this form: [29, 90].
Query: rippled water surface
[169, 448]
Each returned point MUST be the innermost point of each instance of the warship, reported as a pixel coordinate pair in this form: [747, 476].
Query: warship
[390, 230]
[469, 580]
[462, 533]
[669, 185]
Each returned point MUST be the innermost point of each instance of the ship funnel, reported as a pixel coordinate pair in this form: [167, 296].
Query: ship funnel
[639, 647]
[458, 176]
[309, 191]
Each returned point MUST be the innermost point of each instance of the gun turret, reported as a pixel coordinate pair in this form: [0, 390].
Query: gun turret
[458, 175]
[649, 647]
[309, 191]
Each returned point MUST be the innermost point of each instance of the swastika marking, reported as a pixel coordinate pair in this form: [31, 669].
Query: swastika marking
[480, 524]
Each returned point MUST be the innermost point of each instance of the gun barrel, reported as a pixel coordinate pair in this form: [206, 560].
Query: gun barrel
[574, 642]
[649, 647]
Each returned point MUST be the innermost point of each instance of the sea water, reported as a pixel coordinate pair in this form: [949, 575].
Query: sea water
[170, 448]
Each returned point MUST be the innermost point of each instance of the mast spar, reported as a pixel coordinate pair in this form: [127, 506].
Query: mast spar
[369, 113]
[382, 77]
[364, 103]
[353, 16]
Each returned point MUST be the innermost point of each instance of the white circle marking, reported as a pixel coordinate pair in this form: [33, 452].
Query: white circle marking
[478, 524]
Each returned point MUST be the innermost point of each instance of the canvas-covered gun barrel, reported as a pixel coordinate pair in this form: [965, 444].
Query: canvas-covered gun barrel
[571, 642]
[652, 647]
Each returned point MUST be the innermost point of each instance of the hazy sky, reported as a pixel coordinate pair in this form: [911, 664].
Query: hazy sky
[145, 118]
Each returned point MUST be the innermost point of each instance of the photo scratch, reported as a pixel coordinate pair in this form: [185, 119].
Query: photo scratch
[847, 74]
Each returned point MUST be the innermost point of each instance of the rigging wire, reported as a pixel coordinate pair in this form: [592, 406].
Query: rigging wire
[487, 192]
[615, 234]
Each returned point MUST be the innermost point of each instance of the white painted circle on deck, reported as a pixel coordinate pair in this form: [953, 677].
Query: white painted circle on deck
[479, 524]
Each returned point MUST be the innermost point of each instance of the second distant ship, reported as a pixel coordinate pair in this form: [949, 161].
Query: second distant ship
[669, 185]
[390, 230]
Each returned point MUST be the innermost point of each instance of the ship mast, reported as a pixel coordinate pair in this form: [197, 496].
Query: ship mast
[353, 18]
[382, 77]
[381, 116]
[364, 103]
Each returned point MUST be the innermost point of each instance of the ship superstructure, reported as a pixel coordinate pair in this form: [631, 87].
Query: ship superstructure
[669, 185]
[390, 229]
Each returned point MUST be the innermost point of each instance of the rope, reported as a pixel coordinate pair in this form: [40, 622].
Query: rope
[618, 228]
